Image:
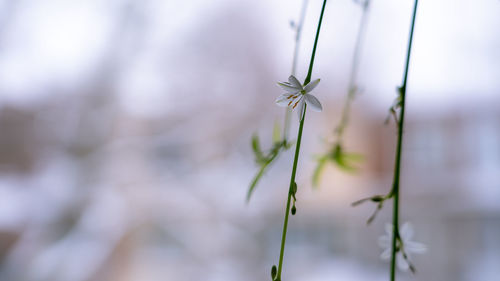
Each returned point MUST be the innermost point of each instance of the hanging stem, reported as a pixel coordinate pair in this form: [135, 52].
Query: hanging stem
[284, 144]
[311, 63]
[290, 192]
[297, 150]
[352, 86]
[397, 168]
[298, 33]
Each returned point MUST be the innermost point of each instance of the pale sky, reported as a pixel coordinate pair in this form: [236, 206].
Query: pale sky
[58, 44]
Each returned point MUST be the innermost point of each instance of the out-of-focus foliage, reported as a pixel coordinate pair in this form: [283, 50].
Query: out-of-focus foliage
[262, 159]
[344, 160]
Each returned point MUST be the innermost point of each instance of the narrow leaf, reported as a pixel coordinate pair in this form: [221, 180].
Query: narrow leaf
[254, 182]
[256, 148]
[276, 133]
[319, 170]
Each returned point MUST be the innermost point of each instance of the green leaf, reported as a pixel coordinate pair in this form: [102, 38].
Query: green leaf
[318, 171]
[255, 180]
[276, 133]
[289, 144]
[266, 162]
[346, 160]
[354, 157]
[336, 152]
[344, 165]
[256, 148]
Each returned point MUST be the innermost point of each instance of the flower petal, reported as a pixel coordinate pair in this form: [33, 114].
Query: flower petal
[406, 231]
[415, 247]
[295, 101]
[284, 99]
[300, 110]
[402, 263]
[289, 87]
[386, 254]
[313, 102]
[309, 87]
[294, 82]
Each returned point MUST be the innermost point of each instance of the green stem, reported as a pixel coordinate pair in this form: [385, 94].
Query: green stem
[297, 150]
[311, 63]
[298, 33]
[397, 169]
[352, 89]
[292, 181]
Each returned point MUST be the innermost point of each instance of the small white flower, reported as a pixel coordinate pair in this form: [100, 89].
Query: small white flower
[297, 94]
[409, 247]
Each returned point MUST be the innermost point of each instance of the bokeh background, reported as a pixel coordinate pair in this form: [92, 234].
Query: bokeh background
[125, 133]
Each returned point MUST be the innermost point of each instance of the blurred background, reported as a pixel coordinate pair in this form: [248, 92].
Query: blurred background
[125, 133]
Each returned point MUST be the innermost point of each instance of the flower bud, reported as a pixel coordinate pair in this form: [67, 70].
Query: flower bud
[274, 271]
[377, 198]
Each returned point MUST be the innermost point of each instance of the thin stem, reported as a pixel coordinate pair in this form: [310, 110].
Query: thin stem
[298, 33]
[408, 54]
[297, 150]
[397, 168]
[292, 181]
[285, 144]
[359, 43]
[311, 63]
[352, 86]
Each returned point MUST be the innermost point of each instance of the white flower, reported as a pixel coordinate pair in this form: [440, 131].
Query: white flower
[297, 94]
[406, 233]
